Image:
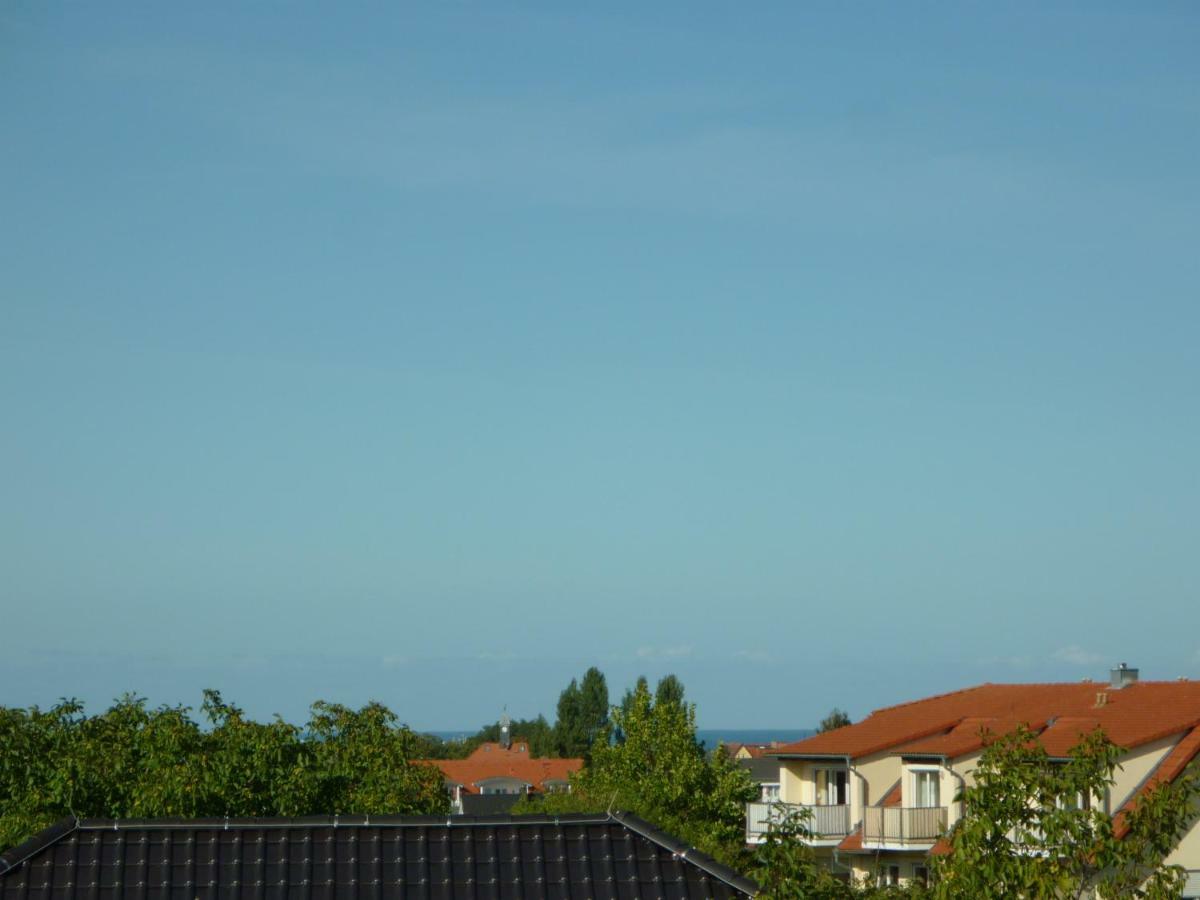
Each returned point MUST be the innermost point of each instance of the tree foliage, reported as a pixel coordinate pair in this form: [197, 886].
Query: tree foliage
[837, 718]
[786, 867]
[669, 690]
[1034, 828]
[133, 761]
[659, 771]
[582, 714]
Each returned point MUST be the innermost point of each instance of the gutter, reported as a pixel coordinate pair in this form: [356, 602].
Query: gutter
[836, 857]
[962, 782]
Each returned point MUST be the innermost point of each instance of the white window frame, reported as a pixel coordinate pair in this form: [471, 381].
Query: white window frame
[916, 774]
[835, 782]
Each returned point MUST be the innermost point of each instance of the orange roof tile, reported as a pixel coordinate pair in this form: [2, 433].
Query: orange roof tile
[490, 760]
[965, 737]
[853, 842]
[949, 724]
[893, 797]
[941, 848]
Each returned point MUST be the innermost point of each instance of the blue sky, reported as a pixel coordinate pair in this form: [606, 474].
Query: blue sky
[821, 354]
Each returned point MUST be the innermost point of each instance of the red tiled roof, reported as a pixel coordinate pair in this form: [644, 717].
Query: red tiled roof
[941, 848]
[949, 724]
[853, 842]
[964, 737]
[490, 760]
[1170, 768]
[755, 751]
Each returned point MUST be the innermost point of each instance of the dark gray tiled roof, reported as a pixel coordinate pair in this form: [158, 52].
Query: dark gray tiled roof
[350, 857]
[763, 769]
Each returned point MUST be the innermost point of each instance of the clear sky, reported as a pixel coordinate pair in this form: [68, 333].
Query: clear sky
[819, 353]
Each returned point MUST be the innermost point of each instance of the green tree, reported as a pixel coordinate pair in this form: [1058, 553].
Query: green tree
[786, 867]
[134, 761]
[362, 763]
[669, 690]
[1031, 831]
[593, 705]
[251, 768]
[616, 734]
[661, 773]
[837, 718]
[582, 714]
[570, 737]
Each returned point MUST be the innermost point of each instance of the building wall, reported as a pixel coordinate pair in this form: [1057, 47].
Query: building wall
[1136, 766]
[880, 772]
[865, 869]
[1187, 853]
[964, 768]
[869, 779]
[792, 776]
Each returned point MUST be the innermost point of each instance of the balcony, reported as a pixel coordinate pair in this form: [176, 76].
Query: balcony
[825, 822]
[903, 825]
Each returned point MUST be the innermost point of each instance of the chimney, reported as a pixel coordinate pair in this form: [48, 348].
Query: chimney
[1122, 676]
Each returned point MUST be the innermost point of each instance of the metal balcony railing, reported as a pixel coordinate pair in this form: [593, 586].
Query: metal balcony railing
[903, 824]
[822, 821]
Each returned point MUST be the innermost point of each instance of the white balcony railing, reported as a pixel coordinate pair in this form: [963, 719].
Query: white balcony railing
[903, 824]
[821, 821]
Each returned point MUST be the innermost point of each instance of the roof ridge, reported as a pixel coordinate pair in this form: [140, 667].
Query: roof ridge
[965, 690]
[338, 821]
[14, 856]
[685, 851]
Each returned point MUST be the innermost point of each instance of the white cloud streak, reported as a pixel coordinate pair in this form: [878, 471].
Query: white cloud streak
[1077, 656]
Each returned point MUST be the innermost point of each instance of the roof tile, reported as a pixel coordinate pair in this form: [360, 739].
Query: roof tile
[949, 724]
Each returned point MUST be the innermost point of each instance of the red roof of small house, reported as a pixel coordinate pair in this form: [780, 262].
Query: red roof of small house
[754, 751]
[951, 724]
[490, 760]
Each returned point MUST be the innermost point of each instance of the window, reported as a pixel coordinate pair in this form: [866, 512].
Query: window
[921, 875]
[832, 787]
[889, 876]
[770, 793]
[502, 786]
[1079, 801]
[927, 788]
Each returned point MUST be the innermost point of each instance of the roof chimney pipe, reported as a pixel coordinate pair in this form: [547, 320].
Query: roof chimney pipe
[1122, 676]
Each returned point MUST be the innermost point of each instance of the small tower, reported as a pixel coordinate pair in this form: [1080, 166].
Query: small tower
[505, 730]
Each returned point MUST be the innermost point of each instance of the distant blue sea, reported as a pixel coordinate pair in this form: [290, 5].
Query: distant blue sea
[709, 737]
